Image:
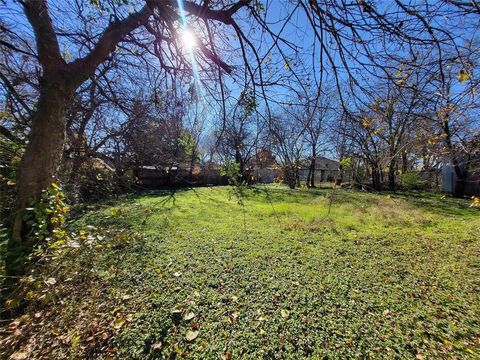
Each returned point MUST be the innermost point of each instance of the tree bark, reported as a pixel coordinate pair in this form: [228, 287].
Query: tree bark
[72, 186]
[72, 163]
[341, 170]
[461, 183]
[376, 177]
[459, 191]
[311, 170]
[297, 175]
[391, 175]
[290, 176]
[404, 162]
[193, 157]
[39, 164]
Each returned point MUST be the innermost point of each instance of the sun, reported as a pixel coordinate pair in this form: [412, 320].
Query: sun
[188, 39]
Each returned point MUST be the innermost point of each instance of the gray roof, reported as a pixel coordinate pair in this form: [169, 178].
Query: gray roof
[323, 163]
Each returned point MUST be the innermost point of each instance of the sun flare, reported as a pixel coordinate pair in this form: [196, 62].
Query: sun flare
[188, 39]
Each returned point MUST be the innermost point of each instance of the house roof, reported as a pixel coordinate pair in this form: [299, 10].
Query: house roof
[101, 162]
[322, 163]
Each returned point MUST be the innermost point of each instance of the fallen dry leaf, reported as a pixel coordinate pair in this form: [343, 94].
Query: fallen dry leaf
[191, 335]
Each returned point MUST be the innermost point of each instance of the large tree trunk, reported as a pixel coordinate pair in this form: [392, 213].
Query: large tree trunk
[404, 162]
[311, 170]
[290, 176]
[376, 177]
[72, 187]
[391, 175]
[39, 166]
[341, 170]
[460, 185]
[78, 158]
[461, 174]
[193, 157]
[47, 136]
[309, 174]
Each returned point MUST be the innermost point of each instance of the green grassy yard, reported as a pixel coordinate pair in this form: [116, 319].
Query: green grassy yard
[292, 274]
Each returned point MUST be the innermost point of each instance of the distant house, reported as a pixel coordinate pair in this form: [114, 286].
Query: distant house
[449, 180]
[263, 167]
[265, 175]
[101, 164]
[210, 174]
[149, 175]
[325, 169]
[178, 174]
[469, 159]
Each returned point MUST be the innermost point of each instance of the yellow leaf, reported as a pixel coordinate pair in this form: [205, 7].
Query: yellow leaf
[463, 76]
[10, 182]
[366, 122]
[75, 341]
[118, 323]
[399, 72]
[475, 202]
[285, 313]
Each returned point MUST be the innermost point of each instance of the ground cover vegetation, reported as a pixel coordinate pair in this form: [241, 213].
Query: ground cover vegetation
[287, 274]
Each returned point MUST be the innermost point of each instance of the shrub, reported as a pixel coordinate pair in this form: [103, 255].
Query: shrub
[411, 181]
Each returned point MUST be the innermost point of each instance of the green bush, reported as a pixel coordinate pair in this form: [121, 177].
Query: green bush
[411, 181]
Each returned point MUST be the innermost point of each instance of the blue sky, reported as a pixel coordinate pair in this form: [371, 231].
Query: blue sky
[305, 62]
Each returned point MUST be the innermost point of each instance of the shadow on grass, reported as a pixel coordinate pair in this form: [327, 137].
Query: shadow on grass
[437, 203]
[125, 209]
[305, 196]
[428, 202]
[166, 200]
